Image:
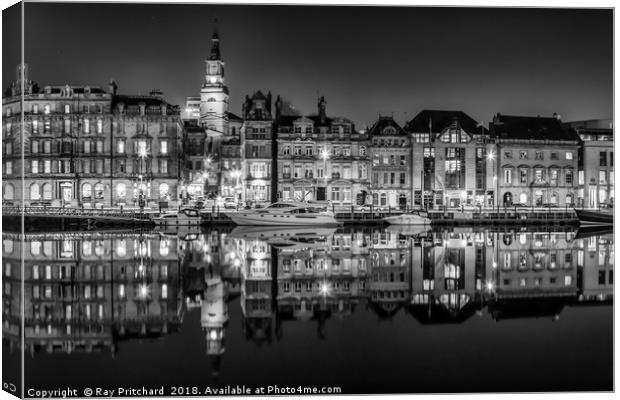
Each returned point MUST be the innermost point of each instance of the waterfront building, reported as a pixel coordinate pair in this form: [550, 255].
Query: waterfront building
[390, 152]
[257, 150]
[85, 147]
[536, 160]
[450, 163]
[596, 162]
[320, 158]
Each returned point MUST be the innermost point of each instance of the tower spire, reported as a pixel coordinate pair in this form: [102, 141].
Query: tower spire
[215, 44]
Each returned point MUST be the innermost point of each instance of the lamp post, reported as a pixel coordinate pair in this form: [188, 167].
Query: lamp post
[491, 157]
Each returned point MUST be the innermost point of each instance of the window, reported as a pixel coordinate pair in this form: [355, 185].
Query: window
[35, 248]
[99, 191]
[120, 146]
[538, 175]
[603, 159]
[99, 146]
[568, 177]
[47, 166]
[35, 109]
[569, 155]
[429, 152]
[35, 193]
[121, 190]
[164, 147]
[523, 154]
[67, 109]
[508, 176]
[35, 126]
[402, 178]
[87, 190]
[99, 126]
[523, 176]
[8, 169]
[362, 151]
[163, 166]
[602, 177]
[553, 178]
[164, 191]
[554, 155]
[86, 125]
[46, 109]
[67, 126]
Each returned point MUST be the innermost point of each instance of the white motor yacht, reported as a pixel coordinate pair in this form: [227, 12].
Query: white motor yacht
[285, 213]
[408, 219]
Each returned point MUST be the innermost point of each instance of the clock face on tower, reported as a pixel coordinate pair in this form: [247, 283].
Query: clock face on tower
[212, 79]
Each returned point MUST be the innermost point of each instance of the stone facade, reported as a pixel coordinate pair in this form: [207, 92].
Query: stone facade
[596, 164]
[537, 161]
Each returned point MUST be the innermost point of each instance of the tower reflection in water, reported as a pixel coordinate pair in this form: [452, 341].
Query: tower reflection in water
[86, 291]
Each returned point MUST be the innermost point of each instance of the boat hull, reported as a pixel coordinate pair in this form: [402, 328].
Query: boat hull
[594, 218]
[407, 219]
[268, 219]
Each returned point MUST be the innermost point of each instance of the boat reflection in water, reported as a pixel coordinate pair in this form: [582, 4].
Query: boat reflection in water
[89, 292]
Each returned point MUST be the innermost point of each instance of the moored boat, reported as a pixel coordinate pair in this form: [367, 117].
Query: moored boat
[587, 217]
[187, 218]
[408, 219]
[285, 213]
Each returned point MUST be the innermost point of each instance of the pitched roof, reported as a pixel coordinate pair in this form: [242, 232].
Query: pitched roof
[508, 127]
[435, 121]
[233, 117]
[384, 122]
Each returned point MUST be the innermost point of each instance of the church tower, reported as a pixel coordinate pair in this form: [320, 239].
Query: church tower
[214, 94]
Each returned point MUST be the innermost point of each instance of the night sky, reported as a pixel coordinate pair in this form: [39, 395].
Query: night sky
[364, 60]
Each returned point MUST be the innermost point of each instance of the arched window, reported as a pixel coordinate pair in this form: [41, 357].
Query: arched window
[47, 191]
[87, 190]
[211, 99]
[121, 190]
[35, 192]
[99, 191]
[164, 191]
[9, 192]
[35, 248]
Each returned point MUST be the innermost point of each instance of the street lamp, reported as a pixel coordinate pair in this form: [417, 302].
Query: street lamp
[491, 157]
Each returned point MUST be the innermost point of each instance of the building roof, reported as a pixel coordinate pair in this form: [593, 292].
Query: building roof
[233, 117]
[435, 121]
[385, 122]
[507, 127]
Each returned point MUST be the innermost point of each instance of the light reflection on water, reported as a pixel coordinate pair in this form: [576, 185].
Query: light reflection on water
[90, 296]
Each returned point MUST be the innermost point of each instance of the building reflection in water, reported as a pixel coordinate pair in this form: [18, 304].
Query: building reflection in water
[87, 291]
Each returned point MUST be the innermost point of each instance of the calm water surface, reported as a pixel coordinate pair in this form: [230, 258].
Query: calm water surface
[376, 310]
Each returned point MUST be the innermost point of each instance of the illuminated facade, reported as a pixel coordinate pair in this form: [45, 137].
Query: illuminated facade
[320, 158]
[537, 161]
[85, 147]
[450, 161]
[596, 163]
[391, 165]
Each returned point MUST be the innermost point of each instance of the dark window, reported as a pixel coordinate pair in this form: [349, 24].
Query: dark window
[601, 277]
[603, 158]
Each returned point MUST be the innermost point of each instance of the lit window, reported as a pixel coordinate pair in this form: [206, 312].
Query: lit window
[46, 109]
[164, 147]
[569, 155]
[99, 126]
[67, 108]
